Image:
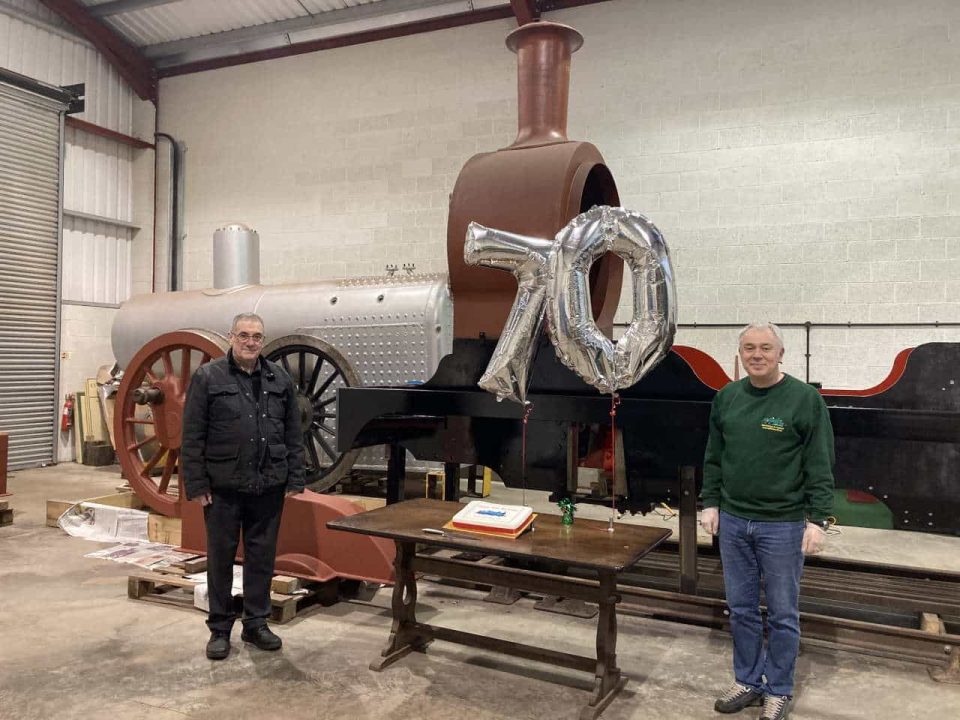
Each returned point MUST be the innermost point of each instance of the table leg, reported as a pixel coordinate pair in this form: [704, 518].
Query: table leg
[451, 481]
[403, 634]
[396, 473]
[688, 529]
[608, 681]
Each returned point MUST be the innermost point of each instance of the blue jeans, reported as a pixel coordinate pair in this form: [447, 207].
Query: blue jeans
[759, 554]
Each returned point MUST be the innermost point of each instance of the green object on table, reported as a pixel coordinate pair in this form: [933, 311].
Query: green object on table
[568, 509]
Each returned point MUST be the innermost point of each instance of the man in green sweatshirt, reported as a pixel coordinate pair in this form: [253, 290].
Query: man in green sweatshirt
[767, 493]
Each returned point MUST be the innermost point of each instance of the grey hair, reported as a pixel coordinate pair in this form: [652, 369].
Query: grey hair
[246, 316]
[761, 326]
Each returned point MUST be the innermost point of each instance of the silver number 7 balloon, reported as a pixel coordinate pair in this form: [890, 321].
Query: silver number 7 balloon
[553, 277]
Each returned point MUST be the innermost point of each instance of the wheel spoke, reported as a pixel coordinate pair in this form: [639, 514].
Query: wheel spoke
[324, 444]
[326, 384]
[303, 368]
[204, 359]
[285, 363]
[167, 363]
[317, 366]
[137, 446]
[150, 376]
[185, 365]
[313, 454]
[169, 464]
[148, 465]
[323, 403]
[329, 430]
[138, 421]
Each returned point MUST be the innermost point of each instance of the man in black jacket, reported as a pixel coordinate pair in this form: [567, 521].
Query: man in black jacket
[242, 454]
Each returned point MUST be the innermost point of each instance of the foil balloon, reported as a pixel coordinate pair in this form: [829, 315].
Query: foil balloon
[553, 280]
[580, 344]
[508, 372]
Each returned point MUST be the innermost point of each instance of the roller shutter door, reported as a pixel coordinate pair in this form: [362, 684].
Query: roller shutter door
[30, 168]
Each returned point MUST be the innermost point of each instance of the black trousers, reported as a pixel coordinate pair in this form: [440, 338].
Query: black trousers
[258, 517]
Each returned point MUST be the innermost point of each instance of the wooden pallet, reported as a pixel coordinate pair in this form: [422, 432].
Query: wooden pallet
[171, 588]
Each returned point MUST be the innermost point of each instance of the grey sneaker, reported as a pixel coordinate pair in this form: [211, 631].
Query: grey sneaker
[737, 698]
[775, 707]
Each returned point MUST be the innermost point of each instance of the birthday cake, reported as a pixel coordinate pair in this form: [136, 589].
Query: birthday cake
[479, 516]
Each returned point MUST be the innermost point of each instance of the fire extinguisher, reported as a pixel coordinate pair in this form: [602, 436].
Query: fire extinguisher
[66, 417]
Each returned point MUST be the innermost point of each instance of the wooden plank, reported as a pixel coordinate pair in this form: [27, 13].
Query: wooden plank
[163, 529]
[122, 499]
[367, 503]
[83, 403]
[78, 427]
[159, 579]
[931, 623]
[195, 565]
[56, 508]
[285, 584]
[97, 431]
[107, 405]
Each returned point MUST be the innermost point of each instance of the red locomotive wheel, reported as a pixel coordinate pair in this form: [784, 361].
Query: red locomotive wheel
[149, 413]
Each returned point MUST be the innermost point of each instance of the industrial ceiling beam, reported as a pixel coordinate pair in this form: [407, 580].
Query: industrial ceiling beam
[126, 58]
[525, 10]
[367, 36]
[281, 28]
[118, 7]
[443, 22]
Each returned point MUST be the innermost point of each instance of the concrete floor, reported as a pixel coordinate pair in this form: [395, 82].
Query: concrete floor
[74, 646]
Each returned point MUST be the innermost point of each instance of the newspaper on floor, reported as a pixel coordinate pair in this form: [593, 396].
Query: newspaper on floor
[201, 595]
[104, 523]
[150, 556]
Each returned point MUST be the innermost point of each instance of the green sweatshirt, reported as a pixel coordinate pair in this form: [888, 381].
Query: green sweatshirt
[770, 452]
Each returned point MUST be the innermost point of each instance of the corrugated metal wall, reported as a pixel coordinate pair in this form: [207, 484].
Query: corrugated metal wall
[30, 152]
[97, 171]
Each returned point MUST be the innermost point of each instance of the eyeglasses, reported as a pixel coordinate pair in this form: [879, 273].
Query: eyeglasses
[247, 337]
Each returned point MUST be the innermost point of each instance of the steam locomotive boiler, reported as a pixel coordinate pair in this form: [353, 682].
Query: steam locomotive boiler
[327, 335]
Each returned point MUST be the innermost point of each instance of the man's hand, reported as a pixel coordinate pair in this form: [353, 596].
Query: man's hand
[710, 520]
[813, 538]
[206, 499]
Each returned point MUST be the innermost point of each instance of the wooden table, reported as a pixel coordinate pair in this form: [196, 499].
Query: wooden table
[586, 544]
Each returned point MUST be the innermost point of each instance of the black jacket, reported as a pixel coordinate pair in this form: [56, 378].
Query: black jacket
[233, 442]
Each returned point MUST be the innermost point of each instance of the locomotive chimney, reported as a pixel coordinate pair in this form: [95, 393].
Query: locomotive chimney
[543, 80]
[236, 256]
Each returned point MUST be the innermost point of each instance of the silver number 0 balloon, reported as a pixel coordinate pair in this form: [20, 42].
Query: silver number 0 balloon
[606, 365]
[553, 277]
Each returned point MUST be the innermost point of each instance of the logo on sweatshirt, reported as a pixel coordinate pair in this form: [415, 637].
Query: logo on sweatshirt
[772, 423]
